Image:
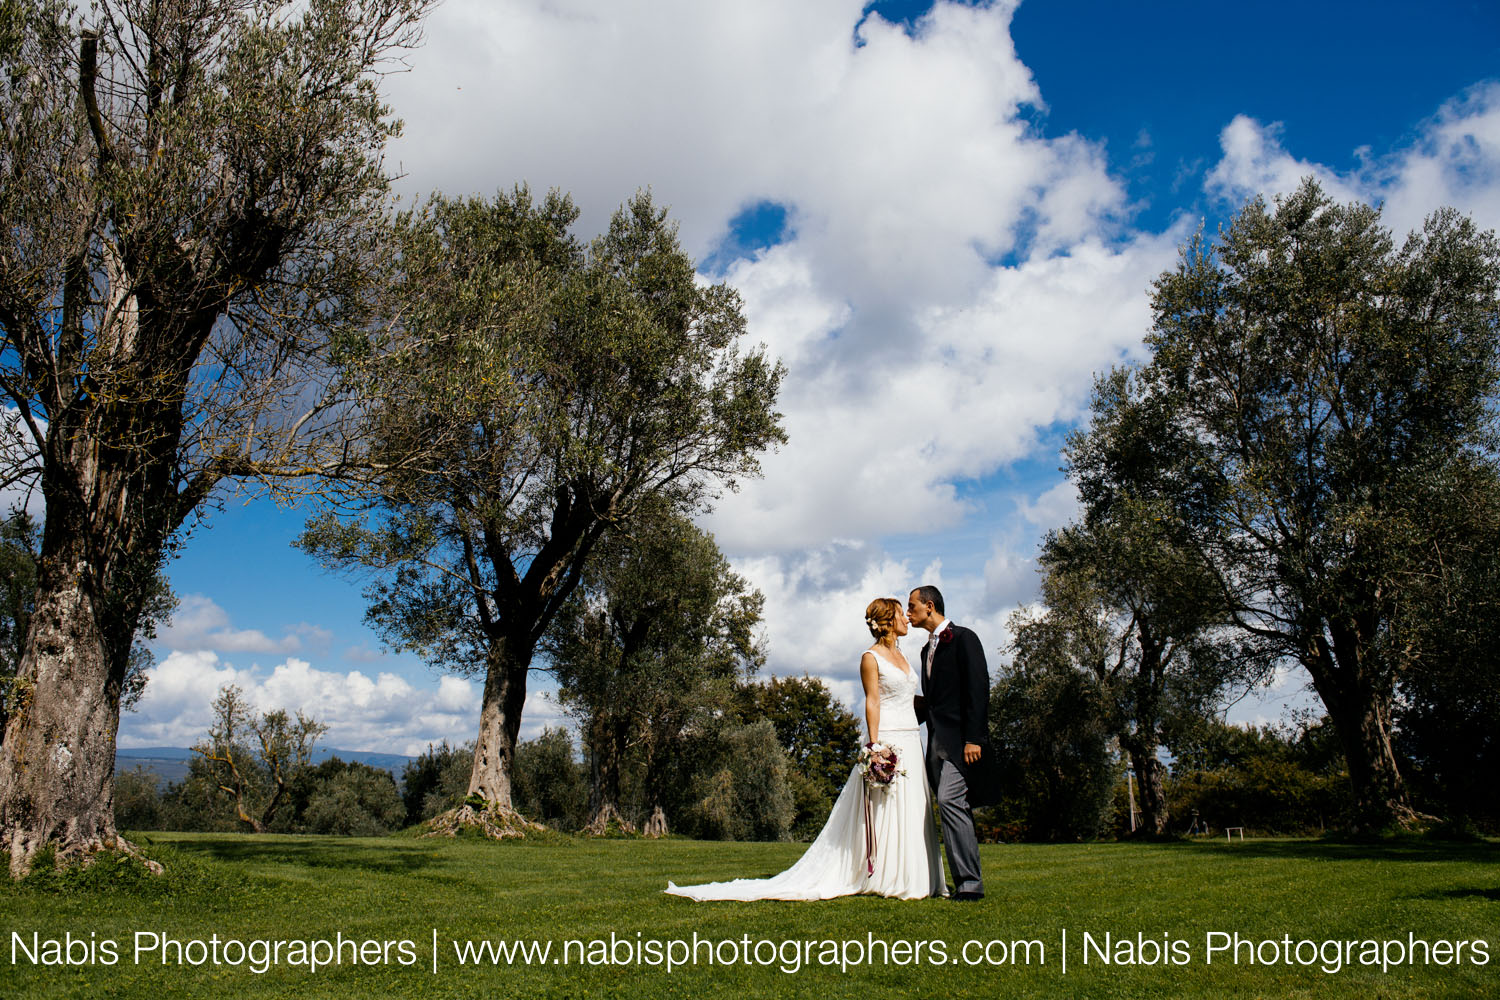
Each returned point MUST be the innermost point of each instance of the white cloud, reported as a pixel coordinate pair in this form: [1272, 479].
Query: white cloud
[786, 310]
[1454, 159]
[1054, 508]
[908, 169]
[879, 435]
[382, 712]
[1255, 163]
[385, 712]
[455, 694]
[815, 608]
[198, 623]
[818, 601]
[1010, 579]
[714, 104]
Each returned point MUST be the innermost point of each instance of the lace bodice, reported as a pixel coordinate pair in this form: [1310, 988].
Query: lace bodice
[897, 689]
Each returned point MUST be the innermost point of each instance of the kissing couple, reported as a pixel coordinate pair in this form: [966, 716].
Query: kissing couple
[880, 837]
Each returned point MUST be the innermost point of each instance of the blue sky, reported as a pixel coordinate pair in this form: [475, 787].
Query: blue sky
[943, 220]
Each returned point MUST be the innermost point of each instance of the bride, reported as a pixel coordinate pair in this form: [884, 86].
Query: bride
[904, 861]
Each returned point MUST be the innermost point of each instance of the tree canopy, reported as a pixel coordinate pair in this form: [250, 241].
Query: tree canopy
[194, 209]
[657, 631]
[534, 394]
[1325, 396]
[1128, 598]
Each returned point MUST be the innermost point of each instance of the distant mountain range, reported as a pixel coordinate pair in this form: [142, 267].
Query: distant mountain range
[171, 763]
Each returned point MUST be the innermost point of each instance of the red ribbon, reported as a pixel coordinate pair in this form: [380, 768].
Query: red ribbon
[869, 836]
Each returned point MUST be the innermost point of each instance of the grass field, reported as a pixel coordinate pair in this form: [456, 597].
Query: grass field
[553, 889]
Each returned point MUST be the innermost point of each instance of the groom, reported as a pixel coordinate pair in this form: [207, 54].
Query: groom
[955, 702]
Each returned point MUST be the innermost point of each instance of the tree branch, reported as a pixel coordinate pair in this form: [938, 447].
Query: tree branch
[88, 73]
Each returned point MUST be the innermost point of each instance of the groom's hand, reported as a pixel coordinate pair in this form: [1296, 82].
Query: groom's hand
[971, 753]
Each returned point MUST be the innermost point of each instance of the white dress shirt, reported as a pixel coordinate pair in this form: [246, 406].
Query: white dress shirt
[932, 641]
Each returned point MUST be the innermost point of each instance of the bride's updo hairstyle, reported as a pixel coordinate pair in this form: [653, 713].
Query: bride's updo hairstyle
[880, 616]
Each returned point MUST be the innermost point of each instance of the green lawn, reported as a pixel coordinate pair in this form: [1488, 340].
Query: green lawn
[554, 889]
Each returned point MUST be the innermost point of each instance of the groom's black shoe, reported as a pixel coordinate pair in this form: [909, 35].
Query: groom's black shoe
[966, 897]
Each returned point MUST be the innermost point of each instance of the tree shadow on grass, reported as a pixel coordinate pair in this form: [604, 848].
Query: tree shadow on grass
[1397, 849]
[321, 853]
[1493, 895]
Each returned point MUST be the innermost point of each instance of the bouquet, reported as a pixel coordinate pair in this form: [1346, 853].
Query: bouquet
[879, 765]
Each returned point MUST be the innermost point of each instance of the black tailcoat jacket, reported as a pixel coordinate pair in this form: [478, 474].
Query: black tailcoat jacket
[956, 696]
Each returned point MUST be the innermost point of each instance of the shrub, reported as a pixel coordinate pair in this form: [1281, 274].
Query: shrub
[550, 785]
[743, 791]
[352, 799]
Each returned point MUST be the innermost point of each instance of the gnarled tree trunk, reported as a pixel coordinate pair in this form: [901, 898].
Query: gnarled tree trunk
[57, 762]
[1150, 776]
[1360, 706]
[500, 722]
[606, 752]
[656, 825]
[489, 806]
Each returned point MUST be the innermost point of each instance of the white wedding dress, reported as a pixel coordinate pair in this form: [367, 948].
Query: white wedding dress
[907, 862]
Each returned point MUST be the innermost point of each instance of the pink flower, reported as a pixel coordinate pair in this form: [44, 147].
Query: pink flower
[879, 764]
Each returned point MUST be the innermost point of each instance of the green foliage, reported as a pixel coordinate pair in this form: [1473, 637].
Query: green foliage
[538, 391]
[351, 799]
[1266, 779]
[741, 788]
[1319, 399]
[551, 786]
[1050, 729]
[138, 802]
[1128, 597]
[820, 736]
[811, 804]
[253, 761]
[436, 781]
[1448, 707]
[334, 797]
[532, 396]
[195, 803]
[647, 645]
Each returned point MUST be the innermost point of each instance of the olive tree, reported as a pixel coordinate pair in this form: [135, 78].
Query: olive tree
[1326, 390]
[255, 775]
[1128, 598]
[191, 211]
[535, 393]
[658, 626]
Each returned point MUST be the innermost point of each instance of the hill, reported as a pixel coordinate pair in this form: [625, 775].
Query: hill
[171, 763]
